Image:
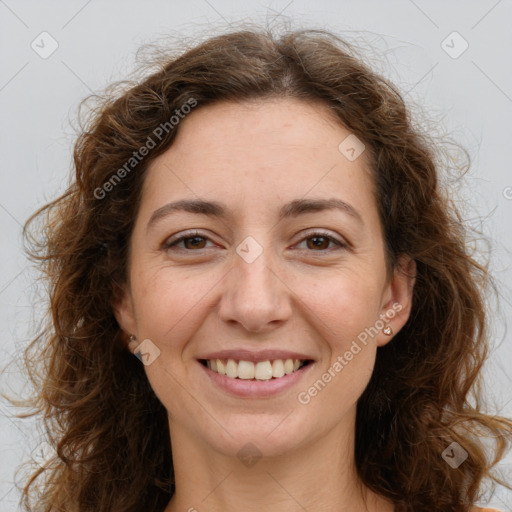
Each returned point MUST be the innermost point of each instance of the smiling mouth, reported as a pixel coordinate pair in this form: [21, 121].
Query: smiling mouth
[262, 370]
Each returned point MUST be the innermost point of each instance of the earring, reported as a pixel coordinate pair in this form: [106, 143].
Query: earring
[387, 331]
[133, 339]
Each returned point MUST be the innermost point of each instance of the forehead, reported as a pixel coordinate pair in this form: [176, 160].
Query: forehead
[262, 127]
[269, 150]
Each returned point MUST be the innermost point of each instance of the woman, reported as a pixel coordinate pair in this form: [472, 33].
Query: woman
[261, 226]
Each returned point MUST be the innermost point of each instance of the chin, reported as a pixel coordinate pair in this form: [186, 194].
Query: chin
[266, 436]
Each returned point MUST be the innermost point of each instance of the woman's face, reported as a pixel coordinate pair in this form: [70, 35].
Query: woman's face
[269, 272]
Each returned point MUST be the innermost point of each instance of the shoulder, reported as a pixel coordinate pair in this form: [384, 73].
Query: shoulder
[478, 509]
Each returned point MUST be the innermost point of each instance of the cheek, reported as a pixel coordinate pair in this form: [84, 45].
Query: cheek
[169, 307]
[170, 303]
[341, 304]
[342, 310]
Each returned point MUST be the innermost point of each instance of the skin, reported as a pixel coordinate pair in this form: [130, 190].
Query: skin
[255, 157]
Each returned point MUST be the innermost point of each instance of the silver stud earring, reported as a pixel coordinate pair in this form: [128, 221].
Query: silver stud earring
[387, 331]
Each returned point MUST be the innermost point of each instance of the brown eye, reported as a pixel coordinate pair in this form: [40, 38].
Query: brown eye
[194, 242]
[318, 242]
[191, 241]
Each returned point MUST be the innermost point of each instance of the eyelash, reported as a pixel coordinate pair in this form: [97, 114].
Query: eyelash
[192, 234]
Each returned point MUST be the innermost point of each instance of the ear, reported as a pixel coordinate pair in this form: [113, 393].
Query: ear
[122, 306]
[397, 298]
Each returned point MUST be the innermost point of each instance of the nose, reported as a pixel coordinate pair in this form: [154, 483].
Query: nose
[255, 296]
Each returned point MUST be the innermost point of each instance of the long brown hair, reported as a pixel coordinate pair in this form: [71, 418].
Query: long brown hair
[109, 429]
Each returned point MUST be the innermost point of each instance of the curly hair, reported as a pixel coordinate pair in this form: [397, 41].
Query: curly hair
[109, 429]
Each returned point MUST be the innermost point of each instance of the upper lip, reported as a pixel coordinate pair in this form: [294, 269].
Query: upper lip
[262, 355]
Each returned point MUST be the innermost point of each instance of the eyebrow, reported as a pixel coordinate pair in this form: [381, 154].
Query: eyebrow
[215, 209]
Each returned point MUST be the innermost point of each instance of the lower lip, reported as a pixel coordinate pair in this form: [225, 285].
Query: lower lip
[246, 388]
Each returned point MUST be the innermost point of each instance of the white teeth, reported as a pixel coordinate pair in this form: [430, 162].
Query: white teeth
[263, 370]
[278, 368]
[232, 369]
[220, 367]
[247, 370]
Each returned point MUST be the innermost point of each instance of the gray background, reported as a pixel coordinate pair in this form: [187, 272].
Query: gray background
[469, 97]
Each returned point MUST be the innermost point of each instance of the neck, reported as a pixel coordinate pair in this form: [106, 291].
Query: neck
[318, 476]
